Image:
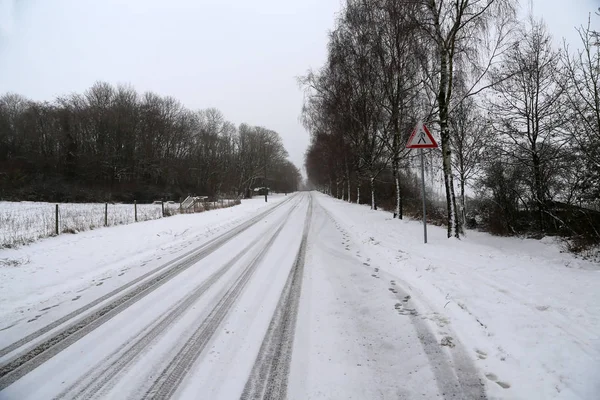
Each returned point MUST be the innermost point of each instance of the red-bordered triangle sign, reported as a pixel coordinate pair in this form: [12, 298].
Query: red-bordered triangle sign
[421, 138]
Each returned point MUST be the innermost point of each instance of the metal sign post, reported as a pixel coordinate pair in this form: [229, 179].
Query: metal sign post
[423, 194]
[421, 139]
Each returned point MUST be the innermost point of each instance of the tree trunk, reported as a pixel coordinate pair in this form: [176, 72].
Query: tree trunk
[398, 198]
[348, 180]
[401, 205]
[373, 205]
[454, 227]
[538, 189]
[396, 161]
[463, 208]
[358, 192]
[349, 188]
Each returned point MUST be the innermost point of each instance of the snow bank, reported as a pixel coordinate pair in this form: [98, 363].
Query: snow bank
[529, 313]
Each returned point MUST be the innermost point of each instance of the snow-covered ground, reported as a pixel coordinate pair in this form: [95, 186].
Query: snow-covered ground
[528, 313]
[305, 297]
[90, 264]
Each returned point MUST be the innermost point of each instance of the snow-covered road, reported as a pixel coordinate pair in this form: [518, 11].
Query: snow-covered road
[305, 297]
[277, 305]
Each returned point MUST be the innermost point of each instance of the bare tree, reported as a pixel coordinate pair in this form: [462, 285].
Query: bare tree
[582, 88]
[358, 83]
[397, 50]
[471, 134]
[528, 110]
[455, 28]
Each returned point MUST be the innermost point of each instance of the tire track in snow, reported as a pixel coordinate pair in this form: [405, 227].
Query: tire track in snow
[173, 374]
[455, 375]
[32, 336]
[98, 381]
[23, 363]
[269, 376]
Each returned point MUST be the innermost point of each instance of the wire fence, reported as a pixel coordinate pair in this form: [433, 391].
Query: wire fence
[24, 222]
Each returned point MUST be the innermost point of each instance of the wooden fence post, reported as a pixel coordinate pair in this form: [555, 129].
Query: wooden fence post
[56, 219]
[105, 214]
[135, 209]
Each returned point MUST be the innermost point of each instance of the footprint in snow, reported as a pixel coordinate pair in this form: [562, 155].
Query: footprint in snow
[34, 318]
[405, 311]
[482, 355]
[75, 298]
[494, 378]
[447, 341]
[48, 308]
[491, 377]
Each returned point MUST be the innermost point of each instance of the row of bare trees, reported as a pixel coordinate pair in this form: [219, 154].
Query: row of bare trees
[111, 143]
[516, 114]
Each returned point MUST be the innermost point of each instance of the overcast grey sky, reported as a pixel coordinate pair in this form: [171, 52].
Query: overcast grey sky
[240, 56]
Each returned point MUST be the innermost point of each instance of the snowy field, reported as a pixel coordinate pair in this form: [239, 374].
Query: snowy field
[25, 222]
[375, 313]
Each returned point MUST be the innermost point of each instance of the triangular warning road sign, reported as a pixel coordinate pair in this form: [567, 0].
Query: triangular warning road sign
[421, 138]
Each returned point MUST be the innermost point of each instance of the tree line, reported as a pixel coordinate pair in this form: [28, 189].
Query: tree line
[115, 144]
[517, 115]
